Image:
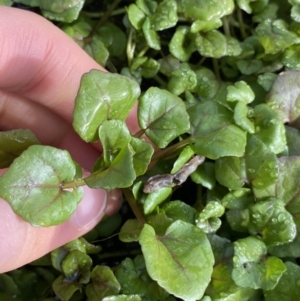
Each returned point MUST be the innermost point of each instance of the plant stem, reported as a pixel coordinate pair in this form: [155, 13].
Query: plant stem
[199, 202]
[160, 81]
[226, 26]
[106, 15]
[139, 133]
[126, 253]
[130, 48]
[170, 149]
[116, 12]
[133, 205]
[216, 69]
[73, 184]
[143, 51]
[241, 23]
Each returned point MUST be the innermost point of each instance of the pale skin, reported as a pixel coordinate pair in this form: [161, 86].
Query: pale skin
[40, 71]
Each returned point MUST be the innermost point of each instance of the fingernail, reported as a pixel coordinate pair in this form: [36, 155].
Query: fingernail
[114, 201]
[90, 209]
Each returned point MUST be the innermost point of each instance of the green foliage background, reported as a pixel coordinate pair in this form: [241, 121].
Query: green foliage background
[219, 79]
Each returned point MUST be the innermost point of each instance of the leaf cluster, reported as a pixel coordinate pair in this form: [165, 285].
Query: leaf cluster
[213, 79]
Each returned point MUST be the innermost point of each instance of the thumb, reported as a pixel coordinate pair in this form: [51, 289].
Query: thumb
[22, 243]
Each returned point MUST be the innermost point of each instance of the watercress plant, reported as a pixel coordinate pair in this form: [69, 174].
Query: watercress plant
[213, 79]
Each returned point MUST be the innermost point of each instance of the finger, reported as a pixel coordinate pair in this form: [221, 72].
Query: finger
[22, 243]
[50, 128]
[40, 62]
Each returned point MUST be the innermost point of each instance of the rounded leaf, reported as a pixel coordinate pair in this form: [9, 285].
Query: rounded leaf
[33, 186]
[162, 115]
[181, 260]
[251, 266]
[102, 96]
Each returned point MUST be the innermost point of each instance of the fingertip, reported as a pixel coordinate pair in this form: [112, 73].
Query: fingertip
[90, 210]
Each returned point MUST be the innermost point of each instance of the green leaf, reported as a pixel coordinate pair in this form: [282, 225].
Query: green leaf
[287, 288]
[147, 6]
[160, 222]
[151, 36]
[222, 287]
[136, 16]
[182, 44]
[290, 57]
[266, 80]
[143, 152]
[222, 249]
[58, 255]
[272, 222]
[133, 75]
[118, 39]
[61, 10]
[150, 68]
[207, 83]
[165, 16]
[119, 174]
[123, 298]
[240, 91]
[8, 285]
[241, 113]
[186, 154]
[269, 128]
[245, 5]
[212, 209]
[102, 96]
[262, 169]
[269, 31]
[251, 266]
[231, 172]
[13, 143]
[182, 79]
[177, 210]
[90, 248]
[208, 220]
[168, 64]
[97, 50]
[286, 250]
[213, 131]
[287, 186]
[238, 199]
[76, 267]
[284, 99]
[133, 277]
[113, 140]
[205, 26]
[78, 31]
[238, 220]
[137, 62]
[180, 261]
[205, 175]
[215, 44]
[155, 198]
[32, 186]
[295, 13]
[65, 289]
[205, 9]
[130, 231]
[292, 141]
[103, 283]
[6, 2]
[162, 115]
[28, 2]
[248, 67]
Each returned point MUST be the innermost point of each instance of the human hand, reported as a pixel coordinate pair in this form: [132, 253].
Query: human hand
[40, 71]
